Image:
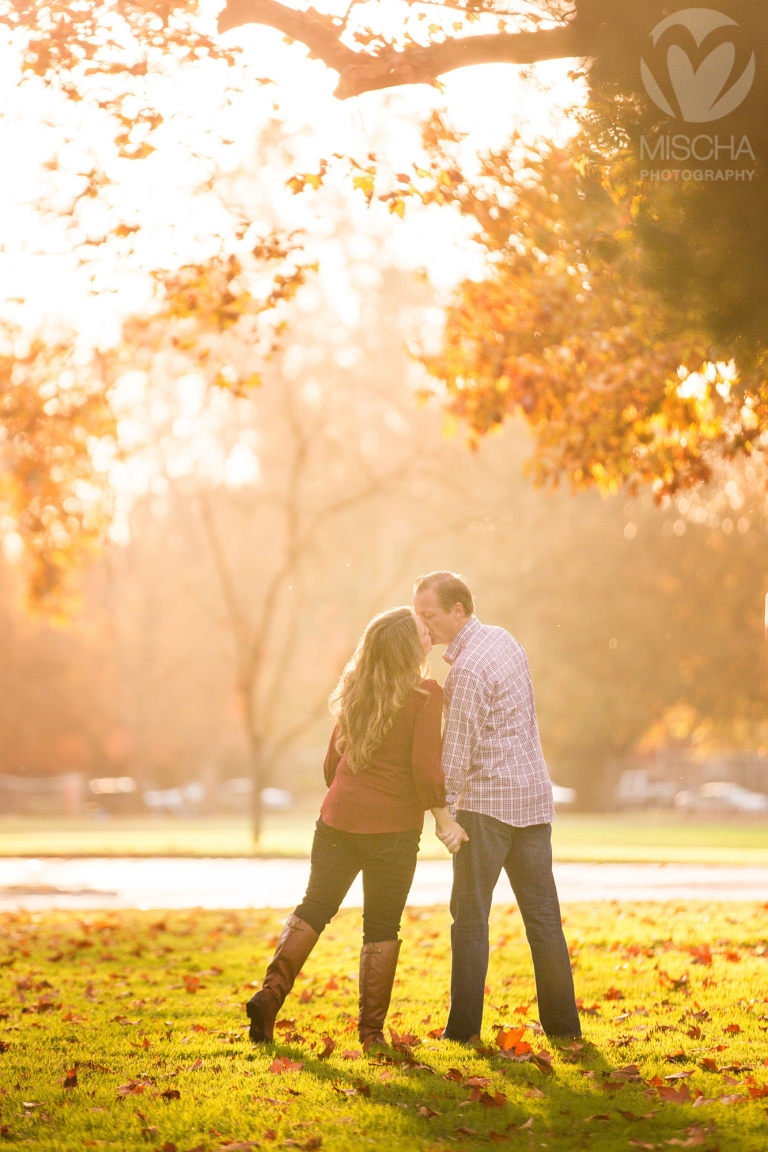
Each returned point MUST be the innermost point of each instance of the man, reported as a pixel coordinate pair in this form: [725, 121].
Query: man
[497, 784]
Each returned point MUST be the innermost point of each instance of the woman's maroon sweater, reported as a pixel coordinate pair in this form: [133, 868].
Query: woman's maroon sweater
[403, 778]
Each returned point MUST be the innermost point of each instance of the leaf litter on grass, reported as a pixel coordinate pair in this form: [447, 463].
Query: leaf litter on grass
[127, 1030]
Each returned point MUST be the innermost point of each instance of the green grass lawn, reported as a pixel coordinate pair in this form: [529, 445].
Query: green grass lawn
[126, 1030]
[642, 836]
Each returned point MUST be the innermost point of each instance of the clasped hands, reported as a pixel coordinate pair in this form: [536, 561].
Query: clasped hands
[451, 834]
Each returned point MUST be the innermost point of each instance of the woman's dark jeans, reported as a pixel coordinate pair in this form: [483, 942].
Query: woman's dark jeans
[525, 854]
[387, 861]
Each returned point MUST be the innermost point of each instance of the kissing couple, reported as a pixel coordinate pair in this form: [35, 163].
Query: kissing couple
[486, 784]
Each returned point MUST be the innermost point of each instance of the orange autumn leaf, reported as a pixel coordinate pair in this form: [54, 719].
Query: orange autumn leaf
[509, 1038]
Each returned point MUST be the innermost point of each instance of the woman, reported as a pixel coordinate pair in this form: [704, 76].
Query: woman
[383, 771]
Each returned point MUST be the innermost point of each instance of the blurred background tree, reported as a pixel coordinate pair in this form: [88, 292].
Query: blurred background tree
[627, 609]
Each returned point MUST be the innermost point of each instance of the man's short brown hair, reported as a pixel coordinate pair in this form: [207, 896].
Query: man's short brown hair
[450, 588]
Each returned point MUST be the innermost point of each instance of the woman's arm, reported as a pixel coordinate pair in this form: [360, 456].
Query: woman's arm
[426, 749]
[332, 759]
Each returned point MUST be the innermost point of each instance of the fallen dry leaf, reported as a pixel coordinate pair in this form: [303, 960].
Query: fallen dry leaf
[508, 1038]
[283, 1064]
[679, 1095]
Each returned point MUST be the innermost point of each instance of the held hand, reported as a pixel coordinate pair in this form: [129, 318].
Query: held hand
[452, 835]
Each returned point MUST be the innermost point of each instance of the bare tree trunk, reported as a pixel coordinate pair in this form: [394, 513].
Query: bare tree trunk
[256, 766]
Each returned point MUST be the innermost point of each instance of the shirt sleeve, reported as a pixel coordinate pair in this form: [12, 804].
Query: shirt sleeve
[427, 748]
[467, 714]
[332, 759]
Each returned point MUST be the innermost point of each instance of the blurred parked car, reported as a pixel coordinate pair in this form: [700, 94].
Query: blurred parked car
[562, 795]
[233, 793]
[184, 801]
[637, 789]
[721, 794]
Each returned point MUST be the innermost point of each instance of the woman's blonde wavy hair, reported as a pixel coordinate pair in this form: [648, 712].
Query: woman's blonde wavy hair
[388, 663]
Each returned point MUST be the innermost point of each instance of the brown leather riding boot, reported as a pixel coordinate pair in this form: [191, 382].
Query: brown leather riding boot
[378, 964]
[295, 944]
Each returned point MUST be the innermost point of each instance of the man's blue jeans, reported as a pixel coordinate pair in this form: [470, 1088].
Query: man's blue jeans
[526, 856]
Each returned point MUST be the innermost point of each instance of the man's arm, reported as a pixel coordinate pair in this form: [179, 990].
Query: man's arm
[466, 716]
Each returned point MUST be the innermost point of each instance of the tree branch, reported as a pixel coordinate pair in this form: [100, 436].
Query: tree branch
[416, 63]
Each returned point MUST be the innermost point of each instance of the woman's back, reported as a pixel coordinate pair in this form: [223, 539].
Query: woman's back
[392, 789]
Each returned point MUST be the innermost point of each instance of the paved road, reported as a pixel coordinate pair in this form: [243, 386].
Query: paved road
[220, 883]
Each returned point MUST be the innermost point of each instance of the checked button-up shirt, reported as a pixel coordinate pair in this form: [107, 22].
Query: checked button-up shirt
[492, 758]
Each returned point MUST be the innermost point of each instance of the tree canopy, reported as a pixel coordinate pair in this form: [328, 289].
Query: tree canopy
[624, 310]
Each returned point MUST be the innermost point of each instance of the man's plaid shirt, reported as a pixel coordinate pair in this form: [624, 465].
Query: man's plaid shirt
[492, 756]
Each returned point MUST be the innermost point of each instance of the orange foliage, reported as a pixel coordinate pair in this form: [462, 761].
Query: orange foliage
[51, 497]
[564, 332]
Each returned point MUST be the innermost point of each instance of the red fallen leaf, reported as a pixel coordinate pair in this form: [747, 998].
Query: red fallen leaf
[543, 1060]
[508, 1038]
[680, 1075]
[732, 955]
[132, 1088]
[675, 1057]
[613, 994]
[732, 1028]
[171, 1094]
[735, 1099]
[306, 996]
[679, 1095]
[386, 1075]
[436, 1033]
[708, 1064]
[694, 1032]
[498, 1100]
[407, 1038]
[701, 954]
[758, 1091]
[604, 1116]
[196, 1066]
[283, 1064]
[497, 1137]
[202, 1028]
[70, 1080]
[169, 1147]
[328, 1046]
[270, 1134]
[454, 1074]
[360, 1088]
[351, 1054]
[478, 1082]
[3, 1046]
[331, 986]
[192, 983]
[522, 1009]
[628, 1074]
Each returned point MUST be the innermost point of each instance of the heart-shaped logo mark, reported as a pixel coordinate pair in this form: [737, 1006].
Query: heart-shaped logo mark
[700, 92]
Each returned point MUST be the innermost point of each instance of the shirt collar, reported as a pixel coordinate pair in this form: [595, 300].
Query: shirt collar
[460, 639]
